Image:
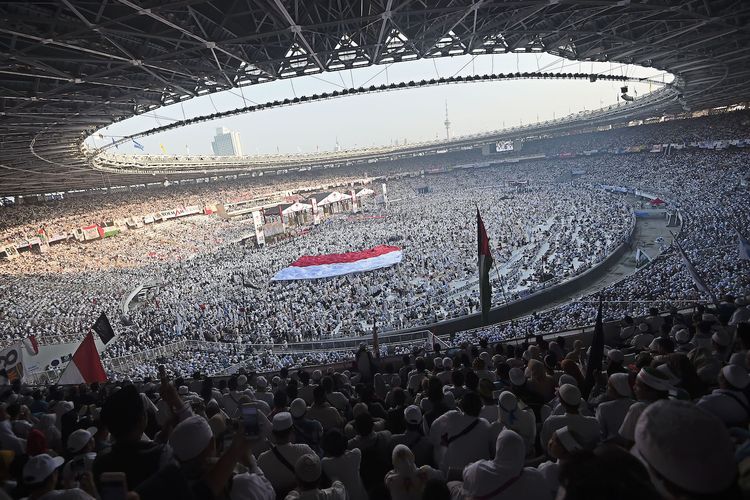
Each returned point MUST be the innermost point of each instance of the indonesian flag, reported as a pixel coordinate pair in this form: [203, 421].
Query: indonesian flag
[337, 264]
[485, 263]
[31, 345]
[86, 366]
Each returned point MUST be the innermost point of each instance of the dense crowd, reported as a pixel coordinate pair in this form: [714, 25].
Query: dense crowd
[661, 412]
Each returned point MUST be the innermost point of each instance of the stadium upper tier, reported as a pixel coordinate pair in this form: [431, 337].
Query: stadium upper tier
[74, 66]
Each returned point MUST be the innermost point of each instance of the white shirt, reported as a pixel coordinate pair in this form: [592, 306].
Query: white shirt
[281, 477]
[410, 487]
[611, 414]
[627, 429]
[470, 447]
[586, 427]
[346, 469]
[727, 405]
[335, 492]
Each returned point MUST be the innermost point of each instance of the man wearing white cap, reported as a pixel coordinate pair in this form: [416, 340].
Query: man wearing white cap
[81, 447]
[414, 438]
[251, 485]
[278, 462]
[682, 340]
[306, 431]
[516, 416]
[611, 413]
[561, 445]
[262, 393]
[688, 452]
[729, 402]
[741, 314]
[586, 427]
[643, 338]
[40, 475]
[650, 385]
[307, 470]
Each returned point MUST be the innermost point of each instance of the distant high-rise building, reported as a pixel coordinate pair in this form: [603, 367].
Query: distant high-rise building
[226, 143]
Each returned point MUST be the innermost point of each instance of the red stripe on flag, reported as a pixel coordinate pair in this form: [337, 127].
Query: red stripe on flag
[341, 258]
[88, 362]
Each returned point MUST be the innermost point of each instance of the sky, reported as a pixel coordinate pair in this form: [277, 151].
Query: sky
[381, 118]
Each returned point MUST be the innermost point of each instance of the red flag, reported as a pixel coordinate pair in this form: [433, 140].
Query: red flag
[85, 366]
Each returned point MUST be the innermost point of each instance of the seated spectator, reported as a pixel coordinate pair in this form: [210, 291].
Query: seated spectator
[306, 430]
[729, 402]
[414, 437]
[650, 385]
[276, 463]
[516, 416]
[561, 446]
[406, 481]
[40, 476]
[611, 412]
[504, 477]
[586, 427]
[307, 470]
[375, 448]
[342, 464]
[461, 437]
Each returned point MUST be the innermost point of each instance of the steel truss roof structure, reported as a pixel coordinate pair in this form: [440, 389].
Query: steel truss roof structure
[70, 67]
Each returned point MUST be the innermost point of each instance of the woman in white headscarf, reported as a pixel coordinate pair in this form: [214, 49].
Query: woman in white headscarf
[505, 477]
[516, 418]
[406, 481]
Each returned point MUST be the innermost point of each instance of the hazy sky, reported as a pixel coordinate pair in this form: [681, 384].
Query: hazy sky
[381, 118]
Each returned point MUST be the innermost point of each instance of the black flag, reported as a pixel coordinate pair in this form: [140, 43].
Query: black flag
[484, 262]
[596, 353]
[104, 329]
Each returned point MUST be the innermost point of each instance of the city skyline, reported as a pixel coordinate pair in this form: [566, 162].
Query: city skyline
[384, 118]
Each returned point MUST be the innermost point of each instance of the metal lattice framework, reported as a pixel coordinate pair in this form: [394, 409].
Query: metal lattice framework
[70, 67]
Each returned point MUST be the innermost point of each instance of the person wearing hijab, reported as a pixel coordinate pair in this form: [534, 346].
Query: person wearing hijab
[504, 477]
[611, 413]
[516, 416]
[406, 481]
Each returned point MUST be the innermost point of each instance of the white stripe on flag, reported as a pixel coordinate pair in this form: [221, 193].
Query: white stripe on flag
[329, 270]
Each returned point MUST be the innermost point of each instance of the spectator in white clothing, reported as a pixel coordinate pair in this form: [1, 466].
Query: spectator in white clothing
[406, 481]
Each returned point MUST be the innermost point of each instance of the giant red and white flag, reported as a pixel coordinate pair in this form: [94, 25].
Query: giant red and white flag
[86, 366]
[337, 264]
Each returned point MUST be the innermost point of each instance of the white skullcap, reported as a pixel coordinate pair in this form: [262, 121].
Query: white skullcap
[261, 382]
[621, 384]
[308, 468]
[722, 338]
[241, 380]
[497, 359]
[736, 376]
[485, 356]
[516, 376]
[507, 401]
[570, 394]
[654, 379]
[247, 486]
[412, 414]
[276, 380]
[282, 421]
[190, 438]
[449, 399]
[447, 363]
[567, 379]
[182, 390]
[438, 362]
[567, 440]
[687, 446]
[317, 375]
[616, 356]
[643, 327]
[682, 336]
[298, 408]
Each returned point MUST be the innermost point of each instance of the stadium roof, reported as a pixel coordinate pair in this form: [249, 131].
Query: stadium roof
[70, 67]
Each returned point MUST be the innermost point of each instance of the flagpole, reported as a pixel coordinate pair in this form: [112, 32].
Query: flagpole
[696, 277]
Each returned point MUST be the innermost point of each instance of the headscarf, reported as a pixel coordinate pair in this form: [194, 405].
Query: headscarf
[508, 406]
[403, 461]
[510, 452]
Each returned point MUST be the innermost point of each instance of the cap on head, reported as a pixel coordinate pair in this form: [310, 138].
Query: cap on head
[570, 394]
[40, 467]
[516, 376]
[80, 438]
[308, 468]
[412, 414]
[298, 408]
[190, 438]
[687, 446]
[282, 421]
[736, 376]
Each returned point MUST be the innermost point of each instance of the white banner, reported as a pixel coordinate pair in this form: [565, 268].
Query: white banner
[260, 236]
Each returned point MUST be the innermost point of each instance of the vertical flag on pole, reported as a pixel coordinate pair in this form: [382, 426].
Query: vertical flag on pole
[596, 354]
[484, 264]
[700, 284]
